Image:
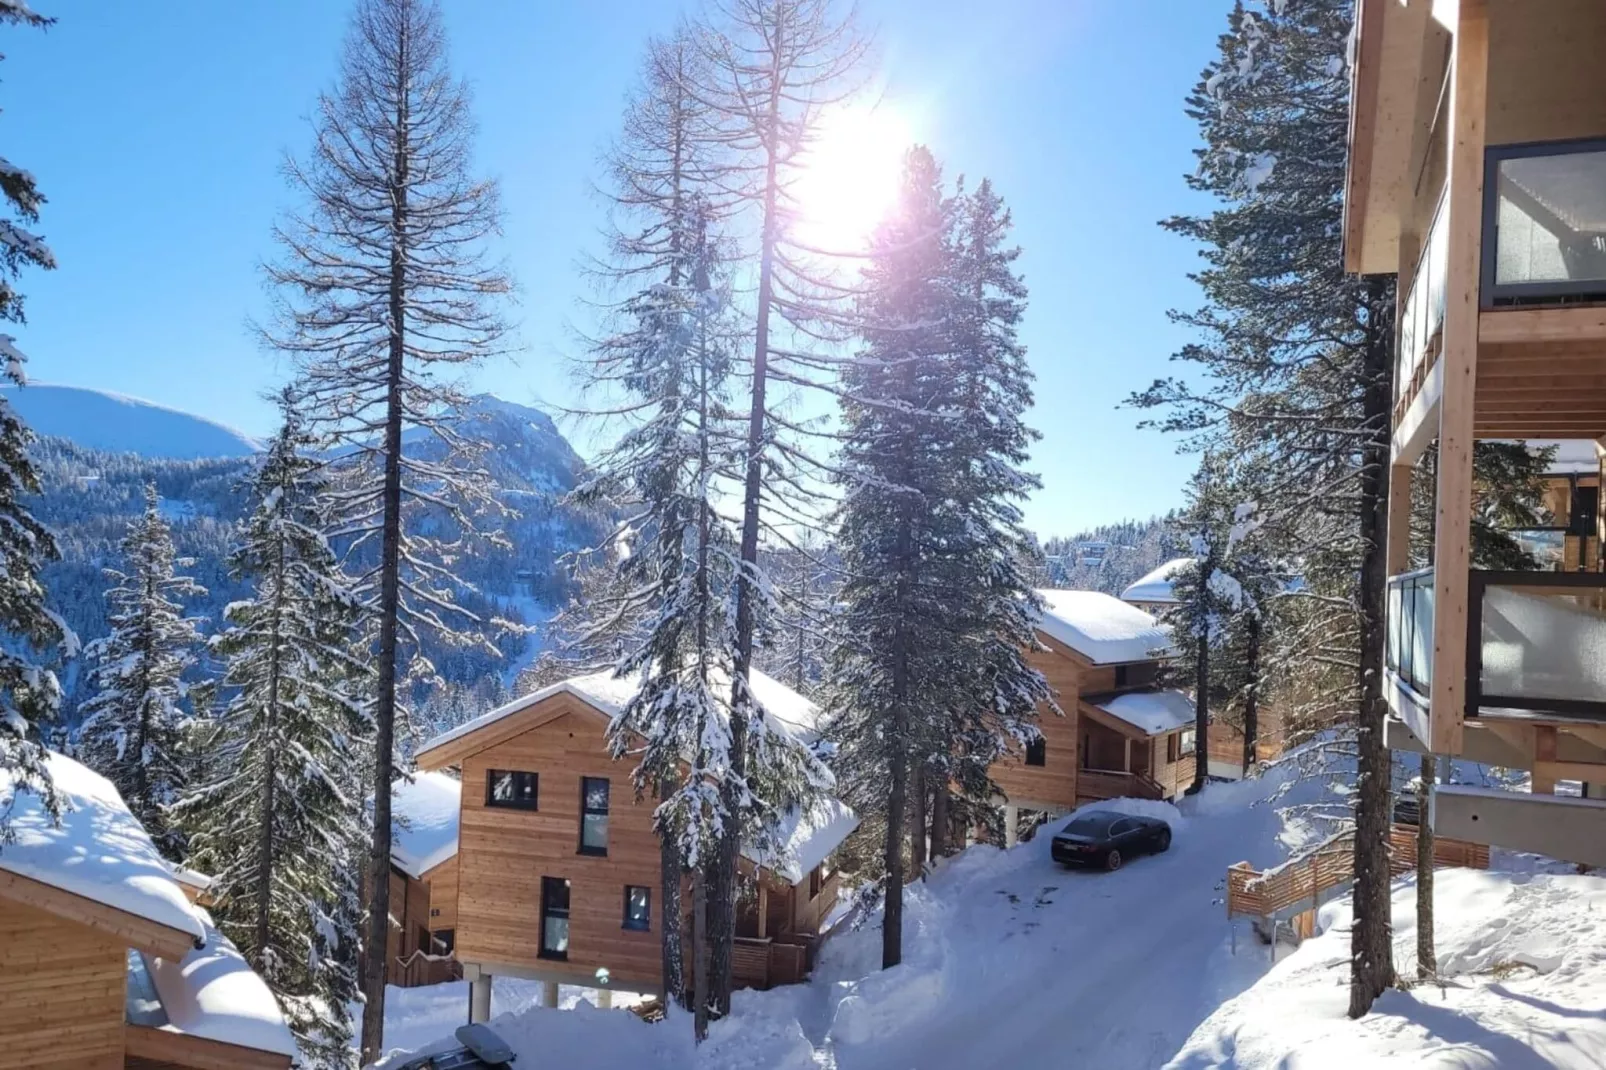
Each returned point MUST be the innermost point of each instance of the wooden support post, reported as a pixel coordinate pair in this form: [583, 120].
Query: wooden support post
[479, 998]
[1011, 824]
[1543, 780]
[1126, 756]
[549, 994]
[1399, 529]
[763, 908]
[1459, 360]
[604, 1000]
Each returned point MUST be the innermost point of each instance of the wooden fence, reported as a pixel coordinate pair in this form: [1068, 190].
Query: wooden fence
[765, 962]
[1305, 879]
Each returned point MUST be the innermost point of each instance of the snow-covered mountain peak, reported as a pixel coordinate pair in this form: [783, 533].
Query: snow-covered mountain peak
[100, 420]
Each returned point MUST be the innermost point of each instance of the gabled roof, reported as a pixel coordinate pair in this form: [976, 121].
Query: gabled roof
[1154, 713]
[805, 838]
[425, 810]
[1155, 587]
[99, 852]
[1102, 628]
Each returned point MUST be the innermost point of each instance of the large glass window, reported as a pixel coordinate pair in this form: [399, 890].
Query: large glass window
[511, 788]
[593, 815]
[638, 908]
[554, 918]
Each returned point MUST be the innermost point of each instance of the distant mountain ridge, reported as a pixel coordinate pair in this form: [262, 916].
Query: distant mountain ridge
[116, 423]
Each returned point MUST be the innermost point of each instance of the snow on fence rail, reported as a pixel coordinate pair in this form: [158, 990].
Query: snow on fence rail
[1304, 879]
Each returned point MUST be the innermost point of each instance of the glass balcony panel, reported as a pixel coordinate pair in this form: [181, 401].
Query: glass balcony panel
[1543, 642]
[1550, 218]
[1409, 647]
[1422, 633]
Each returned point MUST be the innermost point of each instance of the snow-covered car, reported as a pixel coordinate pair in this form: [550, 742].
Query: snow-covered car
[1106, 839]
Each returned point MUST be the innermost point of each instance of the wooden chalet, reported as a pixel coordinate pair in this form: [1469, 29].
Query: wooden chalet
[423, 880]
[1477, 175]
[105, 963]
[558, 867]
[1117, 733]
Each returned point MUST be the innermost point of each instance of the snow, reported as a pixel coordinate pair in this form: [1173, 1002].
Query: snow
[806, 838]
[1153, 712]
[1156, 586]
[97, 419]
[1522, 964]
[213, 994]
[99, 851]
[1574, 456]
[425, 810]
[1102, 628]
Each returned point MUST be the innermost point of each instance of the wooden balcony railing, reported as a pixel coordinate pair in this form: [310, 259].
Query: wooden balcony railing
[1116, 784]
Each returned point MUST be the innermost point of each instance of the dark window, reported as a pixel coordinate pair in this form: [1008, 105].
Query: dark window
[1586, 506]
[1185, 742]
[1120, 676]
[422, 938]
[510, 788]
[554, 918]
[445, 941]
[816, 880]
[638, 907]
[1037, 752]
[593, 815]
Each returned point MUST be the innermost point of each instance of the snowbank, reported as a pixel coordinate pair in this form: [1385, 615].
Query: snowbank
[1102, 628]
[99, 851]
[426, 821]
[1522, 959]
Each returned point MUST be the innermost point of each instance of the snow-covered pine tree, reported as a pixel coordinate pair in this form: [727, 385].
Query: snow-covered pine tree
[384, 294]
[279, 824]
[30, 695]
[1297, 360]
[772, 69]
[135, 725]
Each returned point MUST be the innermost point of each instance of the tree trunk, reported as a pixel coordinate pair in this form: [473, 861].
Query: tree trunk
[1252, 695]
[375, 964]
[669, 910]
[1427, 963]
[1371, 938]
[892, 913]
[269, 787]
[939, 821]
[1201, 712]
[917, 819]
[700, 964]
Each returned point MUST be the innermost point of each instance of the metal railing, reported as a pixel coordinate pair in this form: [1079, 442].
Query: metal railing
[1544, 222]
[1422, 314]
[1409, 652]
[1537, 642]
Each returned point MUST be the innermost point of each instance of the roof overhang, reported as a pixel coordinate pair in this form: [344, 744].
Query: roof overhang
[539, 710]
[149, 936]
[1386, 105]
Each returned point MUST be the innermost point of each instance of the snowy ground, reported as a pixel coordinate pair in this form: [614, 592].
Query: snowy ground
[1012, 961]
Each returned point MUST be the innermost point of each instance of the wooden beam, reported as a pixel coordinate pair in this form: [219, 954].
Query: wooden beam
[1576, 323]
[1421, 422]
[1585, 772]
[1398, 558]
[164, 941]
[1459, 361]
[1557, 826]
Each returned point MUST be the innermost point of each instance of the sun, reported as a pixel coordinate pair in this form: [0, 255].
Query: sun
[850, 177]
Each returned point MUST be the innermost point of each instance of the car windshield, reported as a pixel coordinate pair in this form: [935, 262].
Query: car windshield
[1091, 825]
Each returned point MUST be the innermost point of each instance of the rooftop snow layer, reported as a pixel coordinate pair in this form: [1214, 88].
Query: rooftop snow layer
[1102, 628]
[1156, 585]
[806, 839]
[426, 821]
[788, 710]
[215, 995]
[1152, 712]
[99, 851]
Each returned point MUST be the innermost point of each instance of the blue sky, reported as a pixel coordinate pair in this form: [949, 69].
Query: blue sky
[157, 131]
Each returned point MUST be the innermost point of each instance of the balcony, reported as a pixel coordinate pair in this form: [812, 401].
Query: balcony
[1422, 314]
[1537, 648]
[1544, 223]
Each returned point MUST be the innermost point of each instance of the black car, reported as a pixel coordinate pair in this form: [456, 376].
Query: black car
[1106, 839]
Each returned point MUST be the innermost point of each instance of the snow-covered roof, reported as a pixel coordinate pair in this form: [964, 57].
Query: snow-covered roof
[806, 838]
[1573, 455]
[192, 878]
[1102, 628]
[213, 994]
[99, 851]
[426, 821]
[1153, 713]
[1155, 586]
[786, 709]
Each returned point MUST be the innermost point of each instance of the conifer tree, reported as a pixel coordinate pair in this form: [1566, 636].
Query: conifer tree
[385, 294]
[928, 681]
[279, 825]
[135, 725]
[30, 695]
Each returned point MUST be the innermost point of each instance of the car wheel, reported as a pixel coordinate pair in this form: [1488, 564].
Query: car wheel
[1112, 861]
[1162, 842]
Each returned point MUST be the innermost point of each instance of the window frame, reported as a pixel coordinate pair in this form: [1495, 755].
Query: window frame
[586, 811]
[532, 805]
[549, 912]
[646, 922]
[1187, 742]
[1037, 752]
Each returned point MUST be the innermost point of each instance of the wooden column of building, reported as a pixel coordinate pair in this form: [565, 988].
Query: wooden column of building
[1398, 550]
[1459, 359]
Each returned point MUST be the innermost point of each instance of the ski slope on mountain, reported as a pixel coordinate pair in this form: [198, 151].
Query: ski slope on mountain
[100, 420]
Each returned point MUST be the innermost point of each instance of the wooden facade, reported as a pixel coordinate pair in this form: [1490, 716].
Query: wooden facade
[423, 913]
[514, 860]
[62, 993]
